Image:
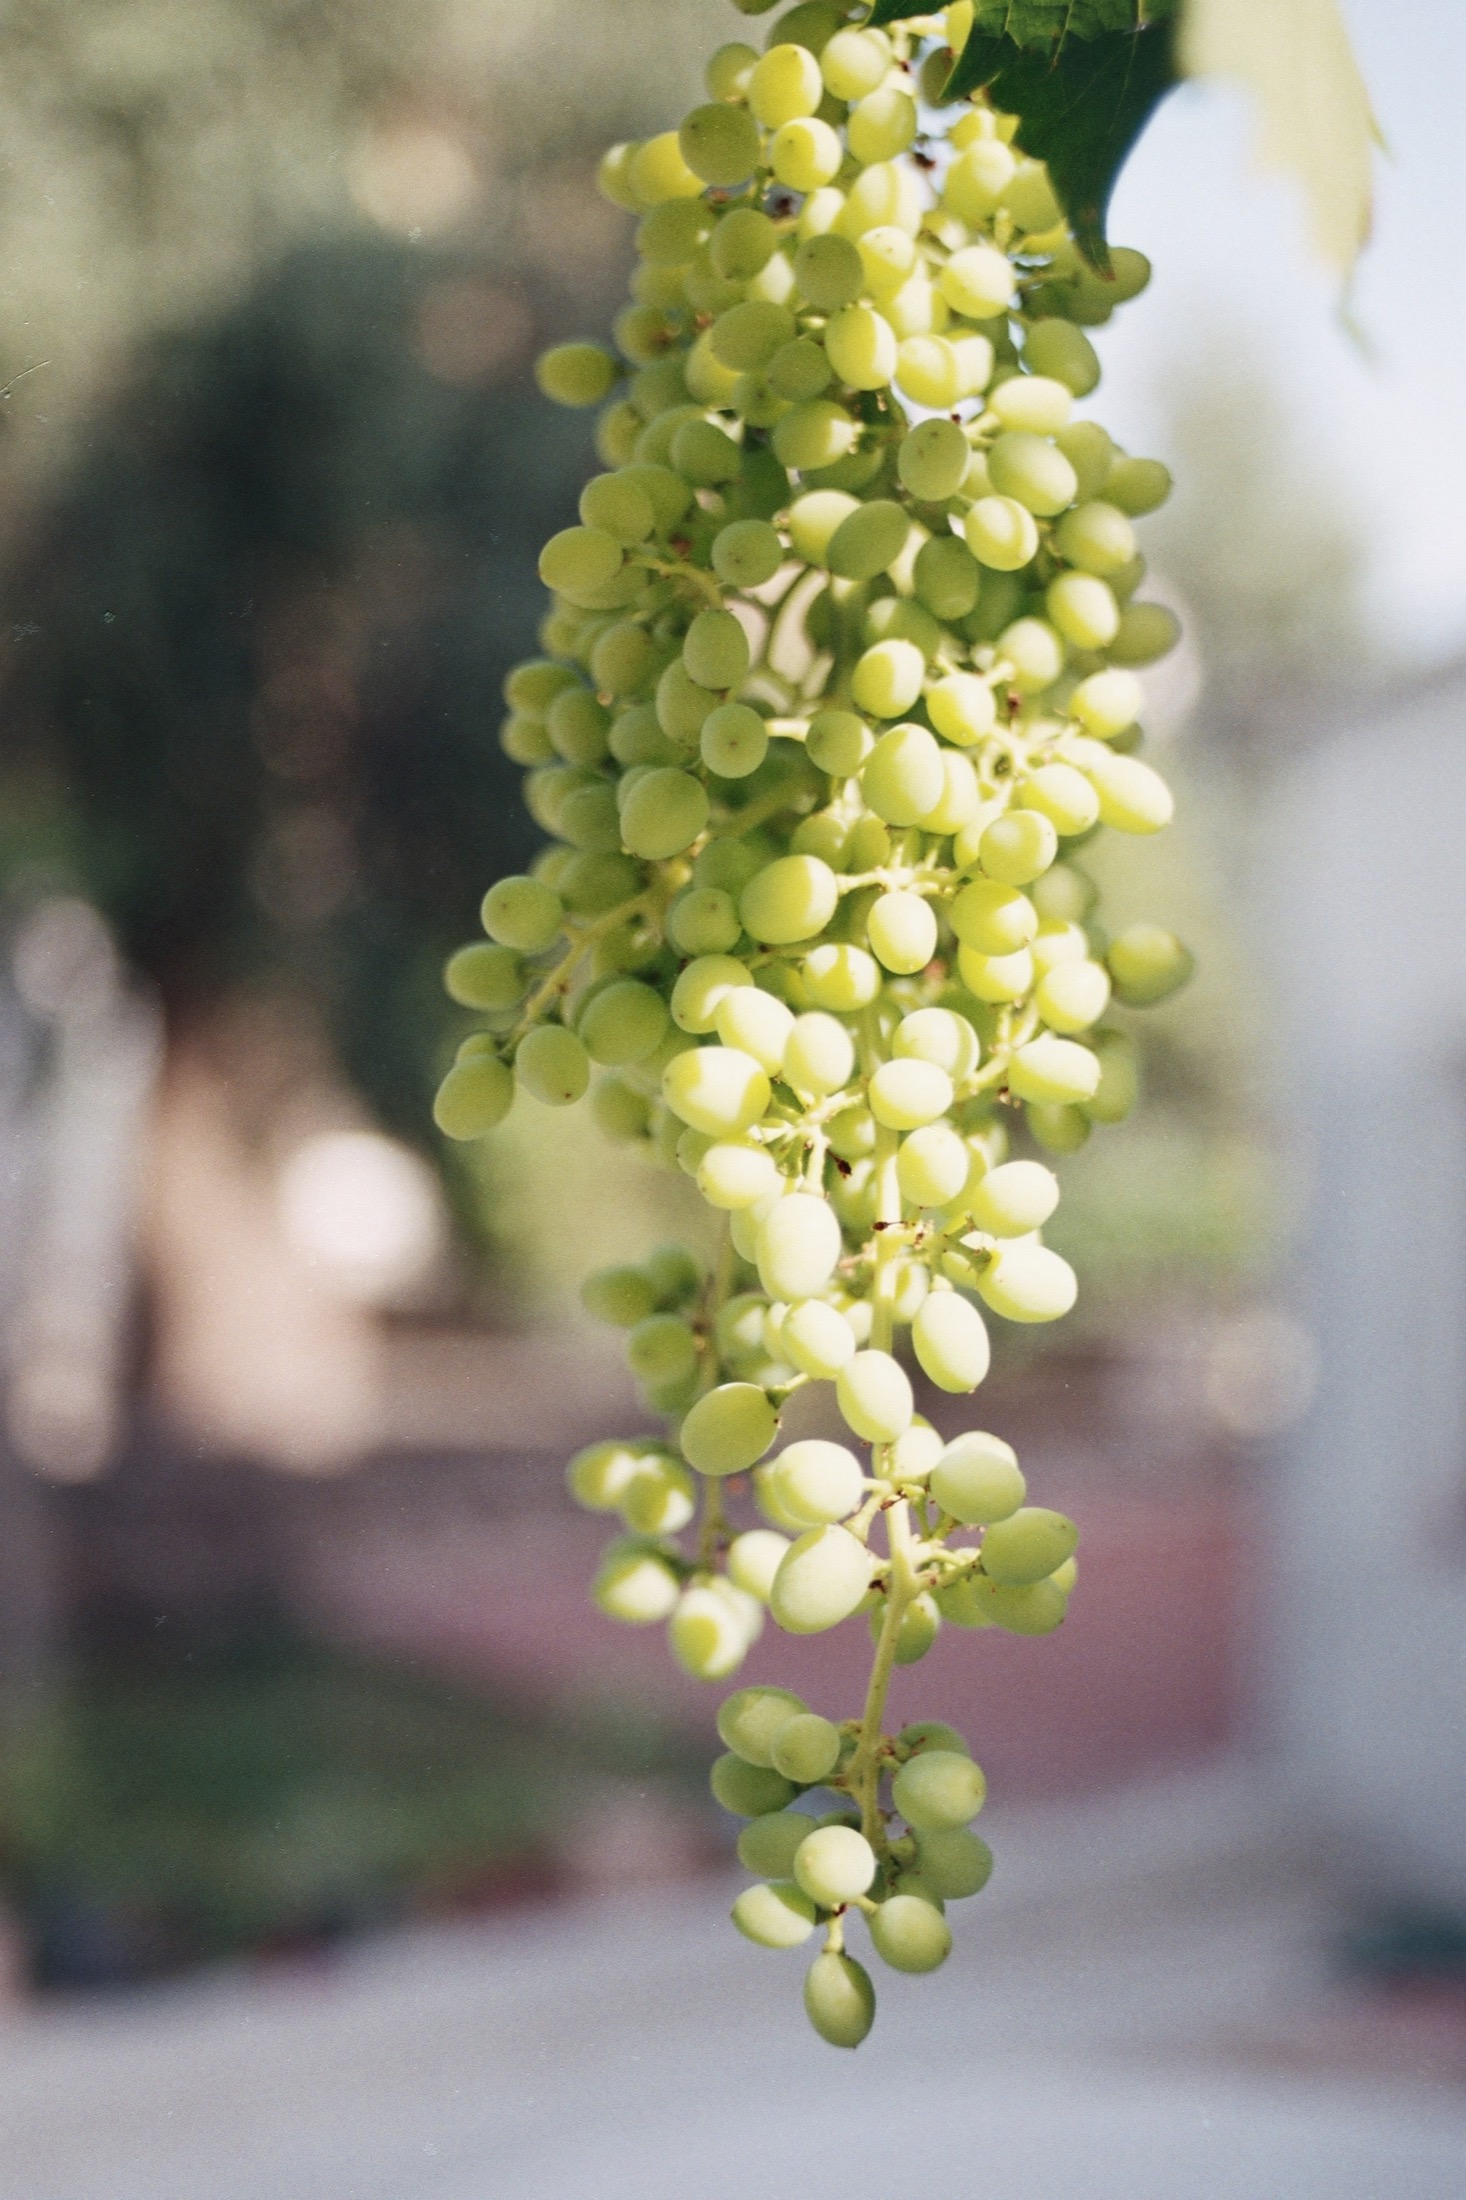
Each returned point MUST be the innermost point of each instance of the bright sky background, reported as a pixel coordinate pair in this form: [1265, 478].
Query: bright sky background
[1232, 266]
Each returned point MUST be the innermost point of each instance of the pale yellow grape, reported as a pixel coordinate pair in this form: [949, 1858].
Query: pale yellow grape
[1030, 199]
[1097, 537]
[753, 1561]
[978, 178]
[1073, 996]
[993, 918]
[658, 171]
[474, 1097]
[955, 1862]
[817, 1339]
[799, 1243]
[950, 1341]
[1014, 1198]
[855, 62]
[1000, 532]
[749, 1018]
[805, 154]
[749, 1719]
[716, 1089]
[909, 1934]
[1033, 652]
[1028, 1545]
[937, 1790]
[1056, 347]
[1137, 485]
[813, 519]
[1017, 848]
[791, 899]
[975, 360]
[861, 347]
[819, 1483]
[1084, 610]
[938, 1035]
[915, 1452]
[902, 930]
[1033, 471]
[599, 1473]
[882, 125]
[1048, 1068]
[663, 814]
[902, 778]
[978, 1480]
[1025, 1282]
[978, 282]
[868, 540]
[1147, 631]
[635, 1585]
[701, 989]
[1132, 797]
[730, 1175]
[1036, 403]
[819, 1056]
[1147, 962]
[774, 1914]
[838, 743]
[785, 85]
[552, 1065]
[888, 256]
[1063, 795]
[887, 191]
[839, 1999]
[660, 1498]
[874, 1396]
[706, 1633]
[728, 1429]
[822, 1579]
[720, 143]
[928, 371]
[1107, 702]
[841, 978]
[834, 1865]
[961, 705]
[916, 309]
[888, 678]
[774, 281]
[906, 1094]
[806, 1750]
[522, 913]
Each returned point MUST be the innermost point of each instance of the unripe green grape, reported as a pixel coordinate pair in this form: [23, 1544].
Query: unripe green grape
[660, 1498]
[618, 507]
[938, 1035]
[675, 1274]
[977, 1479]
[1033, 1610]
[530, 688]
[928, 371]
[839, 1999]
[799, 1244]
[838, 742]
[887, 679]
[1048, 1068]
[1137, 485]
[1014, 1198]
[579, 561]
[946, 576]
[800, 371]
[613, 177]
[1073, 995]
[1146, 631]
[588, 819]
[776, 1914]
[746, 337]
[902, 930]
[753, 1561]
[525, 741]
[902, 778]
[720, 143]
[599, 1475]
[717, 1090]
[657, 171]
[745, 1017]
[1000, 532]
[919, 1627]
[682, 706]
[704, 455]
[909, 1934]
[992, 918]
[841, 978]
[1036, 404]
[701, 989]
[622, 1296]
[749, 1719]
[661, 1348]
[1034, 653]
[785, 85]
[805, 153]
[1033, 471]
[963, 1600]
[1063, 795]
[623, 1024]
[954, 1861]
[906, 1094]
[663, 814]
[1056, 347]
[887, 191]
[818, 1340]
[882, 125]
[577, 374]
[1084, 610]
[484, 976]
[807, 438]
[819, 1483]
[1029, 197]
[932, 460]
[813, 519]
[806, 1750]
[730, 68]
[874, 1396]
[898, 619]
[635, 1585]
[938, 1790]
[590, 885]
[978, 282]
[961, 707]
[977, 179]
[703, 920]
[834, 1865]
[747, 553]
[1028, 1546]
[861, 346]
[996, 978]
[731, 1176]
[734, 741]
[931, 1734]
[1132, 797]
[1097, 537]
[855, 62]
[822, 1579]
[1107, 702]
[552, 1065]
[622, 662]
[868, 540]
[1147, 962]
[888, 256]
[749, 1790]
[819, 1056]
[522, 913]
[1016, 848]
[1025, 1282]
[950, 1340]
[789, 900]
[474, 1098]
[728, 1429]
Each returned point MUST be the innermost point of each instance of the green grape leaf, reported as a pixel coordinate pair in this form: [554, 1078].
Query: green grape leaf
[1039, 22]
[1081, 103]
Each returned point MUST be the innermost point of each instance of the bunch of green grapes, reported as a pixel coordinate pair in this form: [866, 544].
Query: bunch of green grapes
[837, 682]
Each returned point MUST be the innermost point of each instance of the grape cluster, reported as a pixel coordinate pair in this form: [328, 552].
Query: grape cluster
[838, 678]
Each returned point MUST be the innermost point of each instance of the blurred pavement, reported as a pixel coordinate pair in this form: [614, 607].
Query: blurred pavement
[1141, 2005]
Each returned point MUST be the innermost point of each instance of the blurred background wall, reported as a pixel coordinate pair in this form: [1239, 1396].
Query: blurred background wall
[291, 1600]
